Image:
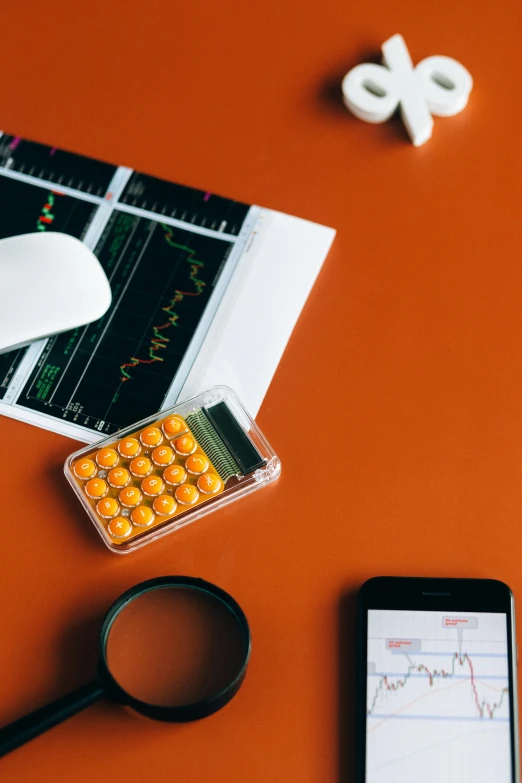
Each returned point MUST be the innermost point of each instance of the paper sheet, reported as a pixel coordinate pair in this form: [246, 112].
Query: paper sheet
[206, 291]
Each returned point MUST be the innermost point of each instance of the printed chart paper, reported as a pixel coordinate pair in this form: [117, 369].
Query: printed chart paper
[206, 290]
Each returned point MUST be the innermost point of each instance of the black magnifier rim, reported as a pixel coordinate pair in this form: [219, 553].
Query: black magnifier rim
[181, 713]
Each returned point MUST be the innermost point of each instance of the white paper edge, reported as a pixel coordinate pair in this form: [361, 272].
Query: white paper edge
[260, 308]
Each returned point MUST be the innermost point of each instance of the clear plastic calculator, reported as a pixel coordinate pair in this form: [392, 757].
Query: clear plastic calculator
[170, 469]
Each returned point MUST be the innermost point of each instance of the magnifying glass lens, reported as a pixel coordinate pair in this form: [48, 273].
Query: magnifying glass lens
[174, 646]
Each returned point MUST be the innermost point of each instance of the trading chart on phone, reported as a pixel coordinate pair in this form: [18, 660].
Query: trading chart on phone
[168, 251]
[437, 698]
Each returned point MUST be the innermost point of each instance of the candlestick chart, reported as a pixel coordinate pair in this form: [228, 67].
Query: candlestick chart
[25, 208]
[460, 667]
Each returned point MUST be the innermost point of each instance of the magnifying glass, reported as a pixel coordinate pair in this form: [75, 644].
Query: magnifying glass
[173, 648]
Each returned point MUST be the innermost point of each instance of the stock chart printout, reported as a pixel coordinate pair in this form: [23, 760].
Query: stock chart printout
[168, 251]
[437, 698]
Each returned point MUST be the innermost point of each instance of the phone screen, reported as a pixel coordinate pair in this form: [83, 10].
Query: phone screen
[437, 706]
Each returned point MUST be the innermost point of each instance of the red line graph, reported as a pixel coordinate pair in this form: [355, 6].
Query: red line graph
[484, 708]
[159, 339]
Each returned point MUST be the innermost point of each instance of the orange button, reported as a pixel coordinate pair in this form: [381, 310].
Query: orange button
[130, 496]
[162, 455]
[185, 445]
[119, 527]
[107, 508]
[107, 458]
[96, 488]
[209, 483]
[175, 474]
[118, 477]
[151, 436]
[164, 505]
[142, 516]
[187, 494]
[130, 447]
[197, 463]
[140, 466]
[173, 426]
[84, 468]
[152, 485]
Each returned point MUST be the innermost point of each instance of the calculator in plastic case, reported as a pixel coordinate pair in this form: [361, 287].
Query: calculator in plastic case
[171, 469]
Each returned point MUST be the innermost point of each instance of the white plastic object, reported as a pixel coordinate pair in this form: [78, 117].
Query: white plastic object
[438, 86]
[49, 282]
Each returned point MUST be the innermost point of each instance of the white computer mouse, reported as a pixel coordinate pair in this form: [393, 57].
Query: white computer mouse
[49, 283]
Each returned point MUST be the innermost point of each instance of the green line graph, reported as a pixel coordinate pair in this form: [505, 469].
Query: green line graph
[159, 339]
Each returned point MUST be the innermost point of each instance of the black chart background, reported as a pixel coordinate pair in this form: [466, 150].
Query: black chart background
[58, 166]
[187, 204]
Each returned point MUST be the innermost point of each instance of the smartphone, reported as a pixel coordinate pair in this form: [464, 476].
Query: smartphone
[436, 681]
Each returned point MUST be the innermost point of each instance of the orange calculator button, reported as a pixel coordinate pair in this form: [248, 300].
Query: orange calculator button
[142, 516]
[107, 458]
[152, 485]
[196, 463]
[164, 505]
[173, 426]
[130, 496]
[162, 455]
[187, 494]
[185, 445]
[84, 468]
[175, 474]
[96, 488]
[130, 447]
[107, 508]
[151, 436]
[119, 527]
[118, 477]
[140, 466]
[209, 483]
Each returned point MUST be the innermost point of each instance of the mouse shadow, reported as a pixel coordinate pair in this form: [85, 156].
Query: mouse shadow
[330, 95]
[346, 653]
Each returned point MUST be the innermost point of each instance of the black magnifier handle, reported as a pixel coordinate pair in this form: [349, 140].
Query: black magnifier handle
[24, 729]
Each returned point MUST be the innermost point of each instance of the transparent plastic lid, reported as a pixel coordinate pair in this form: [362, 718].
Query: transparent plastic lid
[171, 468]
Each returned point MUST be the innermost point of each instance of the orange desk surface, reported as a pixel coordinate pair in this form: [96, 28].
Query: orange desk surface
[409, 353]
